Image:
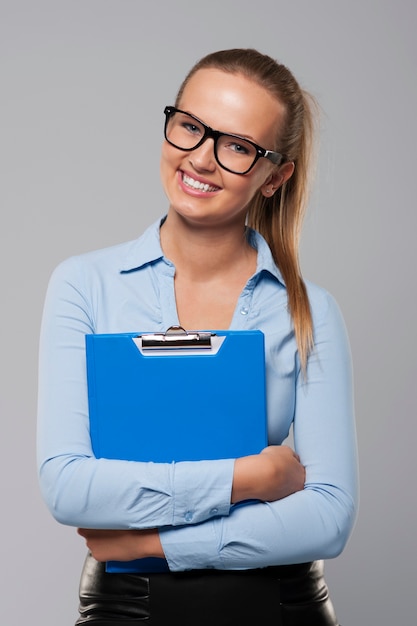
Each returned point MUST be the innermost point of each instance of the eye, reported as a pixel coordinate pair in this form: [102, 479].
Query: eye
[188, 125]
[237, 148]
[191, 128]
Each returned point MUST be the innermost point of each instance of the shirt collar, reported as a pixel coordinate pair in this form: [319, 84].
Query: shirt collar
[144, 250]
[147, 249]
[266, 261]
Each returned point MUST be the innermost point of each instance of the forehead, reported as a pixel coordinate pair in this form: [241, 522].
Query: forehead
[232, 103]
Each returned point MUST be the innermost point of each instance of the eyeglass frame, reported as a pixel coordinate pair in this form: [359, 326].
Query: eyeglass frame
[209, 133]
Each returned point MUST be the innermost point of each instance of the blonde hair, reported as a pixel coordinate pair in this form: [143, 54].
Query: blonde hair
[279, 218]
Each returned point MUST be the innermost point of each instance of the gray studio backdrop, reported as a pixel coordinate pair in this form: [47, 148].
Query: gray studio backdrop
[83, 86]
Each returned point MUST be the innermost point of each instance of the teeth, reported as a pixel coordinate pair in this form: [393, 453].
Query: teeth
[197, 185]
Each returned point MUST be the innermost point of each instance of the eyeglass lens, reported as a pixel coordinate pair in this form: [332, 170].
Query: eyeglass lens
[233, 153]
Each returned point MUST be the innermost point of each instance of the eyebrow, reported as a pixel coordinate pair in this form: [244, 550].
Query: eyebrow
[248, 137]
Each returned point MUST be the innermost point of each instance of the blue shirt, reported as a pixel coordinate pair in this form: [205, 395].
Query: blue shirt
[130, 287]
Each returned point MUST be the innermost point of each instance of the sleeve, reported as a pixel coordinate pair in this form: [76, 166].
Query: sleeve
[311, 524]
[79, 489]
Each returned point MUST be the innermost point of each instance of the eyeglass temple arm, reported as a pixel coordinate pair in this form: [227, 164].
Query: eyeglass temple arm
[274, 157]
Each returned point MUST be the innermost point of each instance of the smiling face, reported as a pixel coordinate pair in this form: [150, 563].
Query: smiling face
[198, 189]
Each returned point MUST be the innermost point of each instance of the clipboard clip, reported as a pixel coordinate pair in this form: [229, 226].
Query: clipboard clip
[176, 337]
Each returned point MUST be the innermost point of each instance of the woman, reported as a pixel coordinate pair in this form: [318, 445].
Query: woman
[224, 256]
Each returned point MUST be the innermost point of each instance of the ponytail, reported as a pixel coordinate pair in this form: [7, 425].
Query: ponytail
[279, 218]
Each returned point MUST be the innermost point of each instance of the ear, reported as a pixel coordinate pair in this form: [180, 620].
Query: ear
[277, 179]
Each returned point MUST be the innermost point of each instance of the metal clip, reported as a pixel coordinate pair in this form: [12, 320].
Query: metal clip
[176, 337]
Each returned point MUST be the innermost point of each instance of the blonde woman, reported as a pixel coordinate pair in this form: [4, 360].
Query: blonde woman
[242, 540]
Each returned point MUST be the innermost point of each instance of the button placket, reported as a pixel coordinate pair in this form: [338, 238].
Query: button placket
[167, 296]
[243, 309]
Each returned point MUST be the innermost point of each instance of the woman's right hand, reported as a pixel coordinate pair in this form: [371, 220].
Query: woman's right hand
[271, 475]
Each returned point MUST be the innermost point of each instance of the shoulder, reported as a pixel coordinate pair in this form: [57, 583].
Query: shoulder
[82, 268]
[326, 313]
[112, 256]
[114, 259]
[320, 299]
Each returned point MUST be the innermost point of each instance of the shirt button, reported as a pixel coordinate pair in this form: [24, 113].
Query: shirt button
[188, 516]
[244, 310]
[214, 511]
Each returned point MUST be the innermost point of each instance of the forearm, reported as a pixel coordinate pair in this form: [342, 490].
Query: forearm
[314, 523]
[122, 545]
[306, 526]
[101, 493]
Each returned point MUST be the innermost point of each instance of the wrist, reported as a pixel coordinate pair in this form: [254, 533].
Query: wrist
[150, 544]
[244, 479]
[153, 544]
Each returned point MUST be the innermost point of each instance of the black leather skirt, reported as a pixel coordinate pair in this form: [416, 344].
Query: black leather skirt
[293, 595]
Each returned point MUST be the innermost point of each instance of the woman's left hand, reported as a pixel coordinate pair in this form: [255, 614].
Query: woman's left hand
[122, 545]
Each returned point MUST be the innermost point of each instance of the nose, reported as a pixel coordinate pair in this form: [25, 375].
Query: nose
[202, 158]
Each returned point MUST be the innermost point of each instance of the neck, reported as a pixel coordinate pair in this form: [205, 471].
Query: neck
[204, 251]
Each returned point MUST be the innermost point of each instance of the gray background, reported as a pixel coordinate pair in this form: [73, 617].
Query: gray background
[83, 85]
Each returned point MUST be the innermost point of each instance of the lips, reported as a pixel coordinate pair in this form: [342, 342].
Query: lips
[192, 183]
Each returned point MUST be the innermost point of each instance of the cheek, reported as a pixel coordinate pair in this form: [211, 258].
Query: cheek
[167, 165]
[170, 156]
[163, 164]
[249, 185]
[164, 177]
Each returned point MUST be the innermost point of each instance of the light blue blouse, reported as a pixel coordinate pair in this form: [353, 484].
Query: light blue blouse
[129, 288]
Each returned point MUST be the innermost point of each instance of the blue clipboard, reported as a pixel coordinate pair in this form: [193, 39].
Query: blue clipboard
[176, 396]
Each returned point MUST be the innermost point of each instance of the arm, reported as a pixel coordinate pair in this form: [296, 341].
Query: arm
[83, 491]
[274, 473]
[311, 524]
[79, 489]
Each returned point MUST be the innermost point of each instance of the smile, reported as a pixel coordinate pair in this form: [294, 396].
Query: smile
[195, 184]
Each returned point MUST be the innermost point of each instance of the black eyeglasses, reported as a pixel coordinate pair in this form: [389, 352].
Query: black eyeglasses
[233, 153]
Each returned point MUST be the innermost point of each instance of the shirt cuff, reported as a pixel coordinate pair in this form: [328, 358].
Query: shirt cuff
[192, 547]
[201, 491]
